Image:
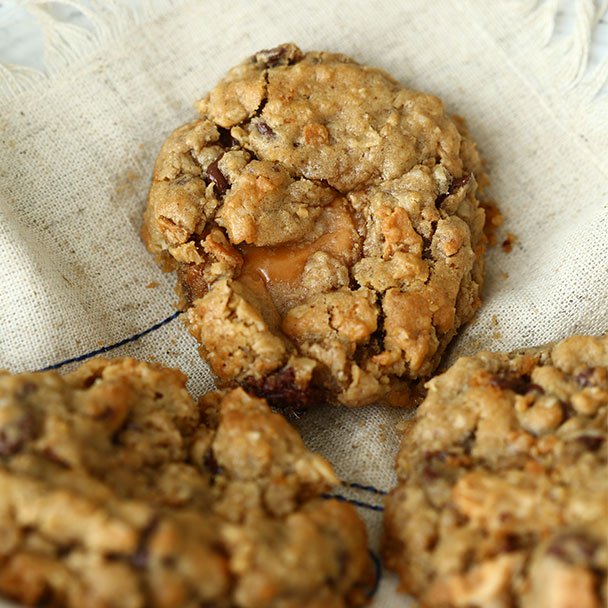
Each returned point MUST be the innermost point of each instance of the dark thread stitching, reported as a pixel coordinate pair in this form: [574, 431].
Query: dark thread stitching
[359, 486]
[105, 349]
[377, 573]
[352, 501]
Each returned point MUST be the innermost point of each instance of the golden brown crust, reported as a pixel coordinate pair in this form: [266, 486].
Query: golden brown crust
[328, 180]
[119, 490]
[503, 492]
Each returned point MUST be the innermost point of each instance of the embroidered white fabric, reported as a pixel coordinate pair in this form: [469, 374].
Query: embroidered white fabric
[78, 142]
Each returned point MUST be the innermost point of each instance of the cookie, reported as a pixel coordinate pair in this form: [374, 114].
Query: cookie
[324, 225]
[503, 492]
[118, 490]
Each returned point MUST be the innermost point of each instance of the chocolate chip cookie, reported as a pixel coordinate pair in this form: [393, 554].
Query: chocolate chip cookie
[324, 224]
[503, 492]
[118, 490]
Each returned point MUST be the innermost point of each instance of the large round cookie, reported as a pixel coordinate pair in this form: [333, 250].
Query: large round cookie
[324, 225]
[117, 490]
[503, 492]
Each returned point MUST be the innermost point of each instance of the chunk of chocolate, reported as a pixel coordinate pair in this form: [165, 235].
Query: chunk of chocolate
[217, 177]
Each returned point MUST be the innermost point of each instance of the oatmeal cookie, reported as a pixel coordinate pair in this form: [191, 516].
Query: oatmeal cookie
[503, 493]
[324, 225]
[118, 490]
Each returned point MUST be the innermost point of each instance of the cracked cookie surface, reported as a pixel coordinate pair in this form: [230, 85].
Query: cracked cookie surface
[118, 490]
[503, 493]
[325, 228]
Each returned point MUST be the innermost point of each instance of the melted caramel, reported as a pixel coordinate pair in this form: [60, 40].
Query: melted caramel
[279, 268]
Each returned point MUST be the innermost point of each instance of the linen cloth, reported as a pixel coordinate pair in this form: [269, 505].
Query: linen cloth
[77, 147]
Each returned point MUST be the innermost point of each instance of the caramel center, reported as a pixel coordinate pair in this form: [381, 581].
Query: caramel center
[279, 268]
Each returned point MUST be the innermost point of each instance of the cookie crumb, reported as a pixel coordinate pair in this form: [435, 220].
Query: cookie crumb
[507, 244]
[152, 285]
[494, 219]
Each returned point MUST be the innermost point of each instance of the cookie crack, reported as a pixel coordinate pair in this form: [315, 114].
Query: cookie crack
[427, 253]
[374, 345]
[264, 101]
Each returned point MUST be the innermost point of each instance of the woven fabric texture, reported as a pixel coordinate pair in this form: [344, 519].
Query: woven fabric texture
[77, 148]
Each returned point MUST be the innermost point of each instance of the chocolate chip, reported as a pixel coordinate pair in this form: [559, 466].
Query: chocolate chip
[456, 184]
[573, 547]
[460, 518]
[16, 434]
[584, 378]
[226, 140]
[459, 182]
[591, 442]
[281, 391]
[511, 542]
[429, 473]
[518, 384]
[284, 54]
[140, 558]
[217, 177]
[264, 129]
[9, 445]
[438, 464]
[468, 443]
[65, 550]
[26, 389]
[89, 381]
[567, 410]
[439, 200]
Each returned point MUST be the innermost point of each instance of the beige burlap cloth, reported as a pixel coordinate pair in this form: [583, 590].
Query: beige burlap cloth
[78, 144]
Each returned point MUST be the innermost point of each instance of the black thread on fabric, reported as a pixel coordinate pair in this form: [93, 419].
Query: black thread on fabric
[377, 573]
[105, 349]
[352, 501]
[358, 486]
